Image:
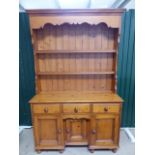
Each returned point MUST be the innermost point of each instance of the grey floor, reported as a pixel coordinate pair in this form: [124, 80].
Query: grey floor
[26, 146]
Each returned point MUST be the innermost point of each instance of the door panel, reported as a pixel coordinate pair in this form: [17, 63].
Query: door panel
[48, 131]
[76, 130]
[104, 130]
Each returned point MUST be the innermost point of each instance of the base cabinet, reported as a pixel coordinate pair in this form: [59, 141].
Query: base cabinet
[94, 125]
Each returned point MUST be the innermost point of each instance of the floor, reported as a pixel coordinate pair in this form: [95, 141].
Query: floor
[26, 146]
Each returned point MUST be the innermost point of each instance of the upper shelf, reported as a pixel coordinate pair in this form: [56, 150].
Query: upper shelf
[74, 51]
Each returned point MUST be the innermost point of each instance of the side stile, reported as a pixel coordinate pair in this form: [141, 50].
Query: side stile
[36, 63]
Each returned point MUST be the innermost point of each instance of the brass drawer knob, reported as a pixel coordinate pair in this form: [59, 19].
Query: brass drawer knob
[93, 131]
[46, 110]
[105, 109]
[75, 110]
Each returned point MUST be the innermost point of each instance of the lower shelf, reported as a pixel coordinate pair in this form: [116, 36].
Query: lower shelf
[76, 73]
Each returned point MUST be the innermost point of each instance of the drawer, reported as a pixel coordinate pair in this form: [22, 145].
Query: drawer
[76, 108]
[111, 108]
[46, 108]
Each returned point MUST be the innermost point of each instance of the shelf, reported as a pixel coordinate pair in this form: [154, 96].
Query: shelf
[74, 51]
[77, 73]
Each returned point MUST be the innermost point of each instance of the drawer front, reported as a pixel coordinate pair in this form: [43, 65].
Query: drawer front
[76, 108]
[106, 108]
[46, 108]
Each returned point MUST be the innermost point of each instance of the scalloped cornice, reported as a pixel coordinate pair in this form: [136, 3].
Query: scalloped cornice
[39, 21]
[39, 18]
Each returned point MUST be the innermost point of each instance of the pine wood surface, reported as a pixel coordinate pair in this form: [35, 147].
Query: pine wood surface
[64, 51]
[112, 17]
[46, 97]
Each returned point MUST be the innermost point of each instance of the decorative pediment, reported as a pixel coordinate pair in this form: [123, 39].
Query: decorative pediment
[40, 21]
[111, 17]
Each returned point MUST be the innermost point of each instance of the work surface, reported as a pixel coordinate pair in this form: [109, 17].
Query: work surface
[75, 97]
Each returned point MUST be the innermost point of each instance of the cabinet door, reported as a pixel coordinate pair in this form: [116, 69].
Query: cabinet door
[48, 131]
[105, 130]
[76, 131]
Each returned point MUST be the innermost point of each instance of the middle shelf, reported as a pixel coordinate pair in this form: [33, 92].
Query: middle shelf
[75, 51]
[77, 73]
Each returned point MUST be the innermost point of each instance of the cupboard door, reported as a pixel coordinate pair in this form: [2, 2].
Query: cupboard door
[76, 131]
[104, 130]
[48, 131]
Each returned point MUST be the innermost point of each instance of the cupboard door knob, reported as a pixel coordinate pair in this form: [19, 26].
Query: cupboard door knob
[105, 109]
[59, 131]
[67, 130]
[46, 110]
[75, 110]
[93, 131]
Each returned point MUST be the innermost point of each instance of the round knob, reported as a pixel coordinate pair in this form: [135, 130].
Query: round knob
[75, 110]
[67, 130]
[93, 131]
[105, 109]
[59, 131]
[46, 110]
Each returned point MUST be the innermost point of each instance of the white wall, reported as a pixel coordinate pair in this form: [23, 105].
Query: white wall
[58, 4]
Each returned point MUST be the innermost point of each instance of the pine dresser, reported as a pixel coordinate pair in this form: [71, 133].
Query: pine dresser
[75, 57]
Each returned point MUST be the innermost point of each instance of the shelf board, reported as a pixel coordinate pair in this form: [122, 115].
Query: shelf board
[75, 51]
[77, 73]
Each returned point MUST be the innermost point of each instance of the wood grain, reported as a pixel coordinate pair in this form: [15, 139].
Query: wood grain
[75, 96]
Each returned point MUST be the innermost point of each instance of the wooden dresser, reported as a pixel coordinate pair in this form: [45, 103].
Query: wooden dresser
[75, 56]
